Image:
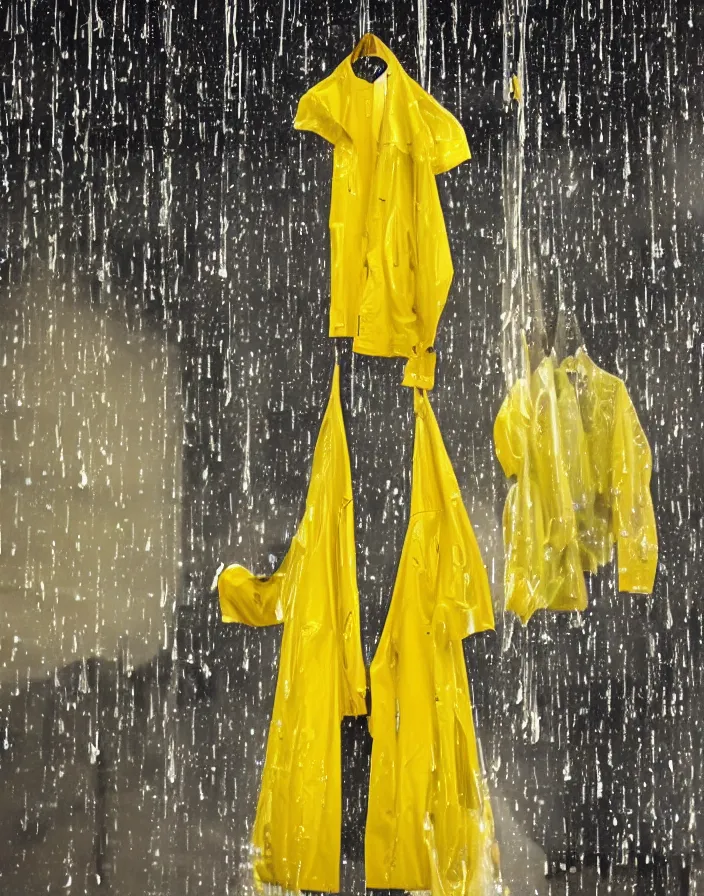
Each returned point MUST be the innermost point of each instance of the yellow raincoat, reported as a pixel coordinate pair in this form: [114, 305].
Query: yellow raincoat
[391, 265]
[429, 822]
[543, 567]
[621, 465]
[321, 672]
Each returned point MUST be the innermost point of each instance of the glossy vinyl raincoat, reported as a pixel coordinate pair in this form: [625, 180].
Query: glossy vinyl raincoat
[391, 267]
[543, 566]
[621, 465]
[429, 823]
[321, 672]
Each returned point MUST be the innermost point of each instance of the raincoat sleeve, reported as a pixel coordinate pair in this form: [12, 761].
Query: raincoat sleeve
[250, 599]
[449, 141]
[319, 111]
[467, 608]
[505, 442]
[633, 516]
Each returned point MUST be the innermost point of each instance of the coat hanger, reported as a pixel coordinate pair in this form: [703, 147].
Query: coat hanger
[370, 45]
[370, 58]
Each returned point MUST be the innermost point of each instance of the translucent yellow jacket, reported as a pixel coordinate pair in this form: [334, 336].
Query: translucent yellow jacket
[582, 465]
[543, 568]
[391, 267]
[429, 822]
[621, 465]
[321, 672]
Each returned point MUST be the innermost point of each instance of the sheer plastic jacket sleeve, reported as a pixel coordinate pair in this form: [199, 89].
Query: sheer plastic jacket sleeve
[509, 427]
[633, 516]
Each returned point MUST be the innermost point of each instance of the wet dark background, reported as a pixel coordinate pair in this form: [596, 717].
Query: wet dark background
[164, 367]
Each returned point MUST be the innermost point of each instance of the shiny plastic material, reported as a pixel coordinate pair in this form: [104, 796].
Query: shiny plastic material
[543, 568]
[391, 264]
[582, 464]
[579, 471]
[429, 823]
[321, 672]
[621, 465]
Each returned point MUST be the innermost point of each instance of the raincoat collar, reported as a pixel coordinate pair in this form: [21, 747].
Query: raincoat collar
[401, 123]
[371, 45]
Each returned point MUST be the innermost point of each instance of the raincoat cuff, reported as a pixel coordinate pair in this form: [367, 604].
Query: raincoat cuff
[636, 566]
[420, 370]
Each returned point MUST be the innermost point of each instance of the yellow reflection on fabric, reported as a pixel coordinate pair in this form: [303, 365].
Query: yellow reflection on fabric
[321, 672]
